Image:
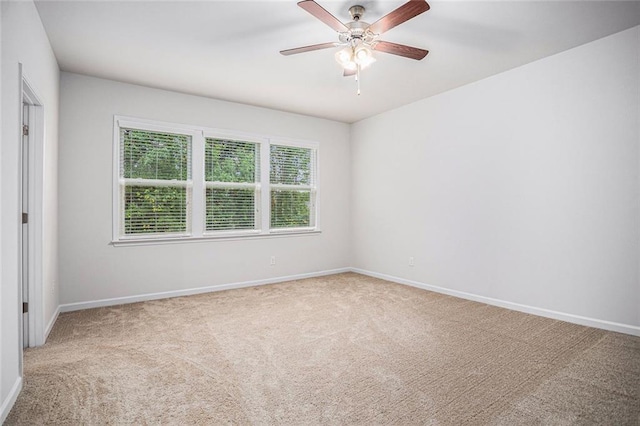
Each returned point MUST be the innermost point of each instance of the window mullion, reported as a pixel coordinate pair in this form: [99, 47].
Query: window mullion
[231, 185]
[156, 182]
[265, 199]
[198, 192]
[285, 187]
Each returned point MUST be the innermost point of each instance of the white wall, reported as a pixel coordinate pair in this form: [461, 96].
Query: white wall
[523, 187]
[24, 41]
[4, 401]
[92, 269]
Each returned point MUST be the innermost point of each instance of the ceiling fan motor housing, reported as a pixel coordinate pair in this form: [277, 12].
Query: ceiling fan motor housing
[356, 12]
[357, 31]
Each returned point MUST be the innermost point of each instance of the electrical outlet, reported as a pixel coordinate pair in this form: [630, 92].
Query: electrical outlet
[411, 261]
[272, 261]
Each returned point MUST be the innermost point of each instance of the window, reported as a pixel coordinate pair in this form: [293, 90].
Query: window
[292, 178]
[183, 182]
[155, 182]
[232, 175]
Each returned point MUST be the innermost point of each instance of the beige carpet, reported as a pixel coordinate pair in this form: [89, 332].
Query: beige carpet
[342, 349]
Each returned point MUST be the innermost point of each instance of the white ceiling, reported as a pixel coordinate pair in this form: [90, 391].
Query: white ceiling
[229, 49]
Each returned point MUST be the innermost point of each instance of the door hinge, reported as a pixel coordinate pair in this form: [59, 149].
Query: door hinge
[25, 307]
[25, 217]
[25, 130]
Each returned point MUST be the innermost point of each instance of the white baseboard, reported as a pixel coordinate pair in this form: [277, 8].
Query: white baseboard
[50, 325]
[576, 319]
[7, 404]
[68, 307]
[562, 316]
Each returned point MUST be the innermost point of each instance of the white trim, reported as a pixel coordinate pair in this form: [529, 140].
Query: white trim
[298, 143]
[156, 182]
[233, 135]
[265, 188]
[196, 210]
[68, 307]
[116, 190]
[233, 185]
[302, 229]
[156, 126]
[547, 313]
[8, 402]
[316, 197]
[20, 203]
[211, 236]
[52, 322]
[165, 236]
[288, 187]
[231, 233]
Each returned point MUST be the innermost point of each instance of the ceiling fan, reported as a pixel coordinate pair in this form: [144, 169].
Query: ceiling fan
[360, 39]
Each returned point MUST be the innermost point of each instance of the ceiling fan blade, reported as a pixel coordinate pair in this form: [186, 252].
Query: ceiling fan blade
[307, 48]
[402, 14]
[319, 12]
[349, 73]
[400, 50]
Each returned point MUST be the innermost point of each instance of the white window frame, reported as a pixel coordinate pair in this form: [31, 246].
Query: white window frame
[197, 210]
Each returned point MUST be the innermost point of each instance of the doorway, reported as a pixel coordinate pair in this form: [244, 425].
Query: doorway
[31, 205]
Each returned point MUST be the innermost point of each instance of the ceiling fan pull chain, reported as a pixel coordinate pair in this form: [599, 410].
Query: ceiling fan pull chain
[358, 78]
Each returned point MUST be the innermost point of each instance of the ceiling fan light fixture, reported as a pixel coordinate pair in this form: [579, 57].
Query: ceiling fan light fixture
[345, 57]
[362, 52]
[363, 56]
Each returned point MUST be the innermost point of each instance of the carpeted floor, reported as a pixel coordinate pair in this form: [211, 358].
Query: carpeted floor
[342, 349]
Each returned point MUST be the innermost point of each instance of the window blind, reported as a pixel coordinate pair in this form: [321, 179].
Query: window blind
[292, 178]
[232, 176]
[155, 182]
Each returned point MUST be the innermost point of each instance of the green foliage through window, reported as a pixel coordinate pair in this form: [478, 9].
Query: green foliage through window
[230, 209]
[152, 155]
[155, 210]
[291, 165]
[290, 209]
[147, 157]
[292, 176]
[229, 162]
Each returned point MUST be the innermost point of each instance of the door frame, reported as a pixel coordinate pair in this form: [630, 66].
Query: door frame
[35, 240]
[24, 235]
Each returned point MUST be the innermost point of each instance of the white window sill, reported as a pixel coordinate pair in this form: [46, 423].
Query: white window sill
[210, 238]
